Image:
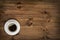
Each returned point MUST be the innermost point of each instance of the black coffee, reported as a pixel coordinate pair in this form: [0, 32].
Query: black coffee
[12, 28]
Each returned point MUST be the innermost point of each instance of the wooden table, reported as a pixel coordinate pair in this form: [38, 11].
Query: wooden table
[37, 20]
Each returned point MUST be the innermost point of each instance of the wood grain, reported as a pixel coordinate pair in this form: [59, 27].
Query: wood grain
[42, 24]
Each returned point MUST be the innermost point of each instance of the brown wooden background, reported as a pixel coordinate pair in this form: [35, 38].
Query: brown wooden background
[38, 20]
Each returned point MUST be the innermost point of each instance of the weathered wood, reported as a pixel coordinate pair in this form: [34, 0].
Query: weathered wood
[43, 20]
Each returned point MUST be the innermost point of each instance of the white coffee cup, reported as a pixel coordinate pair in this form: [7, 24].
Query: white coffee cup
[10, 23]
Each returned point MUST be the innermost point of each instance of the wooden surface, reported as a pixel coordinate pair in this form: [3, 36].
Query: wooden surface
[37, 20]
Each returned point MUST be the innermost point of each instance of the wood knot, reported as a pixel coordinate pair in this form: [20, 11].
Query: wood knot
[19, 5]
[29, 22]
